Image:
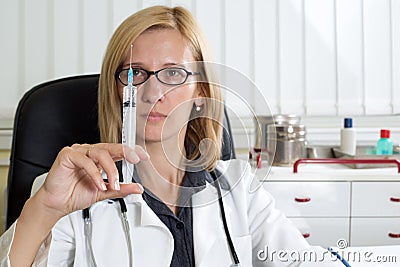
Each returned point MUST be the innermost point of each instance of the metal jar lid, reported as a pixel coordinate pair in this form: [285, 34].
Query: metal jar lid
[278, 119]
[287, 132]
[262, 123]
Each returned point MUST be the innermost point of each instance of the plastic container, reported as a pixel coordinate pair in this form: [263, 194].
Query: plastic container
[348, 142]
[384, 145]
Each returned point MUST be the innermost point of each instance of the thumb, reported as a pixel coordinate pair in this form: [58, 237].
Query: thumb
[125, 189]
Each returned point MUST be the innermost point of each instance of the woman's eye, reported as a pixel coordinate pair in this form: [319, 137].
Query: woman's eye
[136, 72]
[172, 73]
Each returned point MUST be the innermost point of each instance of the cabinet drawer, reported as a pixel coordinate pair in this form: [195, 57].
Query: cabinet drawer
[311, 199]
[376, 199]
[375, 231]
[324, 232]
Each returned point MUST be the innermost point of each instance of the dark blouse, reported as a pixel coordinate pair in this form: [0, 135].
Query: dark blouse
[181, 224]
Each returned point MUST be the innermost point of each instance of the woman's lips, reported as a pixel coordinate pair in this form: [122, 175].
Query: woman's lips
[155, 116]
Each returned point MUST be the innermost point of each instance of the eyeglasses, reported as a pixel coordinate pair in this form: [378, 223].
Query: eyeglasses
[169, 76]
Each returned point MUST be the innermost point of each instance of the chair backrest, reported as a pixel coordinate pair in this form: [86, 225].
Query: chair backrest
[49, 117]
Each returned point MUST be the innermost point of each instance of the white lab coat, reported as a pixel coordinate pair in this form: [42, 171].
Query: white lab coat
[253, 222]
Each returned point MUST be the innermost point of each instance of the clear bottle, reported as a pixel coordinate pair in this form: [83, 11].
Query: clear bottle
[384, 145]
[348, 137]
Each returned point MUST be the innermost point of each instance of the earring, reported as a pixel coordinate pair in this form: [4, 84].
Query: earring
[198, 108]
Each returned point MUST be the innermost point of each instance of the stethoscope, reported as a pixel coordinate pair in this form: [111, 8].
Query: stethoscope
[88, 232]
[124, 221]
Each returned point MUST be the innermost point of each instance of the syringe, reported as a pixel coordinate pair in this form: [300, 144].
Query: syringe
[129, 124]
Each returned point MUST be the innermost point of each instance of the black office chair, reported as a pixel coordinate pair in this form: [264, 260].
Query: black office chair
[49, 117]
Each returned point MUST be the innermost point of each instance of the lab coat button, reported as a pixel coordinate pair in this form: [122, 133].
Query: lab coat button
[180, 225]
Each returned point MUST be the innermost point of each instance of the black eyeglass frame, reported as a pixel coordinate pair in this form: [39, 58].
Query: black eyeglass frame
[155, 73]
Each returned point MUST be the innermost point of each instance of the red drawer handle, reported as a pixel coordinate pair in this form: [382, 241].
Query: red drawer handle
[392, 235]
[395, 199]
[345, 161]
[306, 235]
[304, 199]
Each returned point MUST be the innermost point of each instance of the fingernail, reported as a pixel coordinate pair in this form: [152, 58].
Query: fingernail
[103, 186]
[134, 156]
[116, 185]
[141, 187]
[144, 152]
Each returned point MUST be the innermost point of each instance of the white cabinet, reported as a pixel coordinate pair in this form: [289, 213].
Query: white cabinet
[362, 213]
[375, 231]
[311, 199]
[322, 231]
[320, 210]
[376, 199]
[375, 215]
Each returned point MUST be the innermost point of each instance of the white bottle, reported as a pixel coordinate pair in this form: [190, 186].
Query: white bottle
[348, 138]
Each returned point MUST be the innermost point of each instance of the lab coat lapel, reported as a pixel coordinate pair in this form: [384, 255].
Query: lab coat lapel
[153, 237]
[147, 216]
[209, 241]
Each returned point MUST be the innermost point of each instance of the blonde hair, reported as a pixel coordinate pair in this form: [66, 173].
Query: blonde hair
[208, 125]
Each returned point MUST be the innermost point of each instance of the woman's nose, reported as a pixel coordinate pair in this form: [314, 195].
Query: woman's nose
[152, 90]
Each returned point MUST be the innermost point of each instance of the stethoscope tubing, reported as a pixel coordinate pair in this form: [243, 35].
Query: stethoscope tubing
[88, 232]
[125, 223]
[222, 209]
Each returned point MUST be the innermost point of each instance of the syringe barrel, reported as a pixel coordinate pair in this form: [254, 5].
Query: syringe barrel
[128, 129]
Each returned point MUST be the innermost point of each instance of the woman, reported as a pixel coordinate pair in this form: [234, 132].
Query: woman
[176, 220]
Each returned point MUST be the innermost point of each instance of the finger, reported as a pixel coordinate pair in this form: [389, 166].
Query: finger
[143, 155]
[120, 151]
[126, 189]
[134, 155]
[104, 161]
[85, 149]
[103, 155]
[73, 159]
[87, 154]
[117, 151]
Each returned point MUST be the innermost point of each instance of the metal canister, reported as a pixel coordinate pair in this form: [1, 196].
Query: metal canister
[288, 141]
[262, 123]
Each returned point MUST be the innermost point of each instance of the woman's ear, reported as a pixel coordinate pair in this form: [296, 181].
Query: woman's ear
[199, 101]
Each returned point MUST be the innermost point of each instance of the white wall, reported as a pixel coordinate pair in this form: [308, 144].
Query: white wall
[310, 57]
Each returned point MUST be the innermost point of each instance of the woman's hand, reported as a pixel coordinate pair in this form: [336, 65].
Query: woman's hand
[74, 181]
